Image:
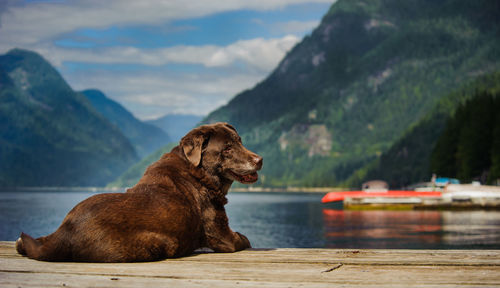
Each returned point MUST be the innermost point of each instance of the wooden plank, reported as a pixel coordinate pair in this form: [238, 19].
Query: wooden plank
[359, 256]
[347, 275]
[266, 268]
[332, 256]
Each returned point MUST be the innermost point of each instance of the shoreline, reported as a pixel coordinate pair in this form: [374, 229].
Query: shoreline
[286, 189]
[123, 189]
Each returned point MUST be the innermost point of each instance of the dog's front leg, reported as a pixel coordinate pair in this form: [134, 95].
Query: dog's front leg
[220, 237]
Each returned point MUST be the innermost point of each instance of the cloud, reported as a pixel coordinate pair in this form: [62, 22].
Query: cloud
[151, 95]
[294, 27]
[264, 54]
[224, 70]
[23, 24]
[258, 53]
[289, 27]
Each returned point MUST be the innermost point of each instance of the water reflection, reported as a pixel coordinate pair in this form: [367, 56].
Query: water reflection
[382, 229]
[294, 220]
[472, 228]
[411, 229]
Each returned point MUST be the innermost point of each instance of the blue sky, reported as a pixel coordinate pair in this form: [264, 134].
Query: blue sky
[161, 57]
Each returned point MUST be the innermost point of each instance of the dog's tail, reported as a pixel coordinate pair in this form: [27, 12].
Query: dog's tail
[27, 245]
[33, 248]
[20, 246]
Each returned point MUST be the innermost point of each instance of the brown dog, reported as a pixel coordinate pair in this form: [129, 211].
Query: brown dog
[175, 208]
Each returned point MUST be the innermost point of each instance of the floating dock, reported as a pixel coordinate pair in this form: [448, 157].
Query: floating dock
[417, 203]
[453, 197]
[266, 268]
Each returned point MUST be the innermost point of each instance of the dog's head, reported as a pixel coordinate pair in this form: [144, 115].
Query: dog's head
[217, 149]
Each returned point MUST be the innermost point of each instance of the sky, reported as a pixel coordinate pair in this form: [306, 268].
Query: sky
[161, 57]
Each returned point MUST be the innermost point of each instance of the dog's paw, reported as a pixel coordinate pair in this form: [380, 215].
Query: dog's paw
[244, 243]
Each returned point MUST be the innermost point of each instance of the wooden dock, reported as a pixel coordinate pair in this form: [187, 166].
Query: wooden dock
[267, 268]
[420, 203]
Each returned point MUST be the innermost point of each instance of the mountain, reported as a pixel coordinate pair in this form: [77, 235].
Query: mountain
[51, 135]
[132, 175]
[145, 137]
[346, 93]
[409, 160]
[176, 125]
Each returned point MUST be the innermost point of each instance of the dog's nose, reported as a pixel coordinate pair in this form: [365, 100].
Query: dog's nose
[258, 162]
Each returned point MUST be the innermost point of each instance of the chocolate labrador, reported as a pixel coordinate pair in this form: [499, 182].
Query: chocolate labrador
[174, 209]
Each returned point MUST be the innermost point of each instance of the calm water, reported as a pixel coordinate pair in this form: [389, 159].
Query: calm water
[272, 220]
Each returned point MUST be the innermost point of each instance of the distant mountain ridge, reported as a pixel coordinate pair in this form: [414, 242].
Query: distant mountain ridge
[370, 71]
[176, 125]
[145, 137]
[51, 135]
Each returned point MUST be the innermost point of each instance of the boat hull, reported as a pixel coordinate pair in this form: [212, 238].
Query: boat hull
[340, 196]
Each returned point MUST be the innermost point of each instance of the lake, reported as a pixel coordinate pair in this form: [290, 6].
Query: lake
[278, 220]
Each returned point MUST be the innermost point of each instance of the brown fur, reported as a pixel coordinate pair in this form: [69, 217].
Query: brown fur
[175, 208]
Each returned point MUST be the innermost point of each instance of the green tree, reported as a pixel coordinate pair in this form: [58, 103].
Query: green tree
[467, 148]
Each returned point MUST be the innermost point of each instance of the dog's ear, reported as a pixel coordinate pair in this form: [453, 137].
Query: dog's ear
[230, 127]
[192, 146]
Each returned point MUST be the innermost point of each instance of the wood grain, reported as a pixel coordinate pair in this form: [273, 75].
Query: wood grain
[267, 268]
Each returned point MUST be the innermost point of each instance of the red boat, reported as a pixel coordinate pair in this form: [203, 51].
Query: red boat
[339, 196]
[376, 189]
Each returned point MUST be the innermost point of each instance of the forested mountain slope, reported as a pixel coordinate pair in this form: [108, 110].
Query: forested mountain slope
[145, 137]
[51, 135]
[409, 160]
[370, 71]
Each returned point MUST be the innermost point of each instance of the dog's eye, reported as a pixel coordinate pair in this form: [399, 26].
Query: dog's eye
[226, 150]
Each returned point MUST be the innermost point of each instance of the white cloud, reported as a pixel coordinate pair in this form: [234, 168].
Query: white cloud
[258, 53]
[264, 54]
[39, 22]
[290, 27]
[295, 27]
[151, 95]
[147, 94]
